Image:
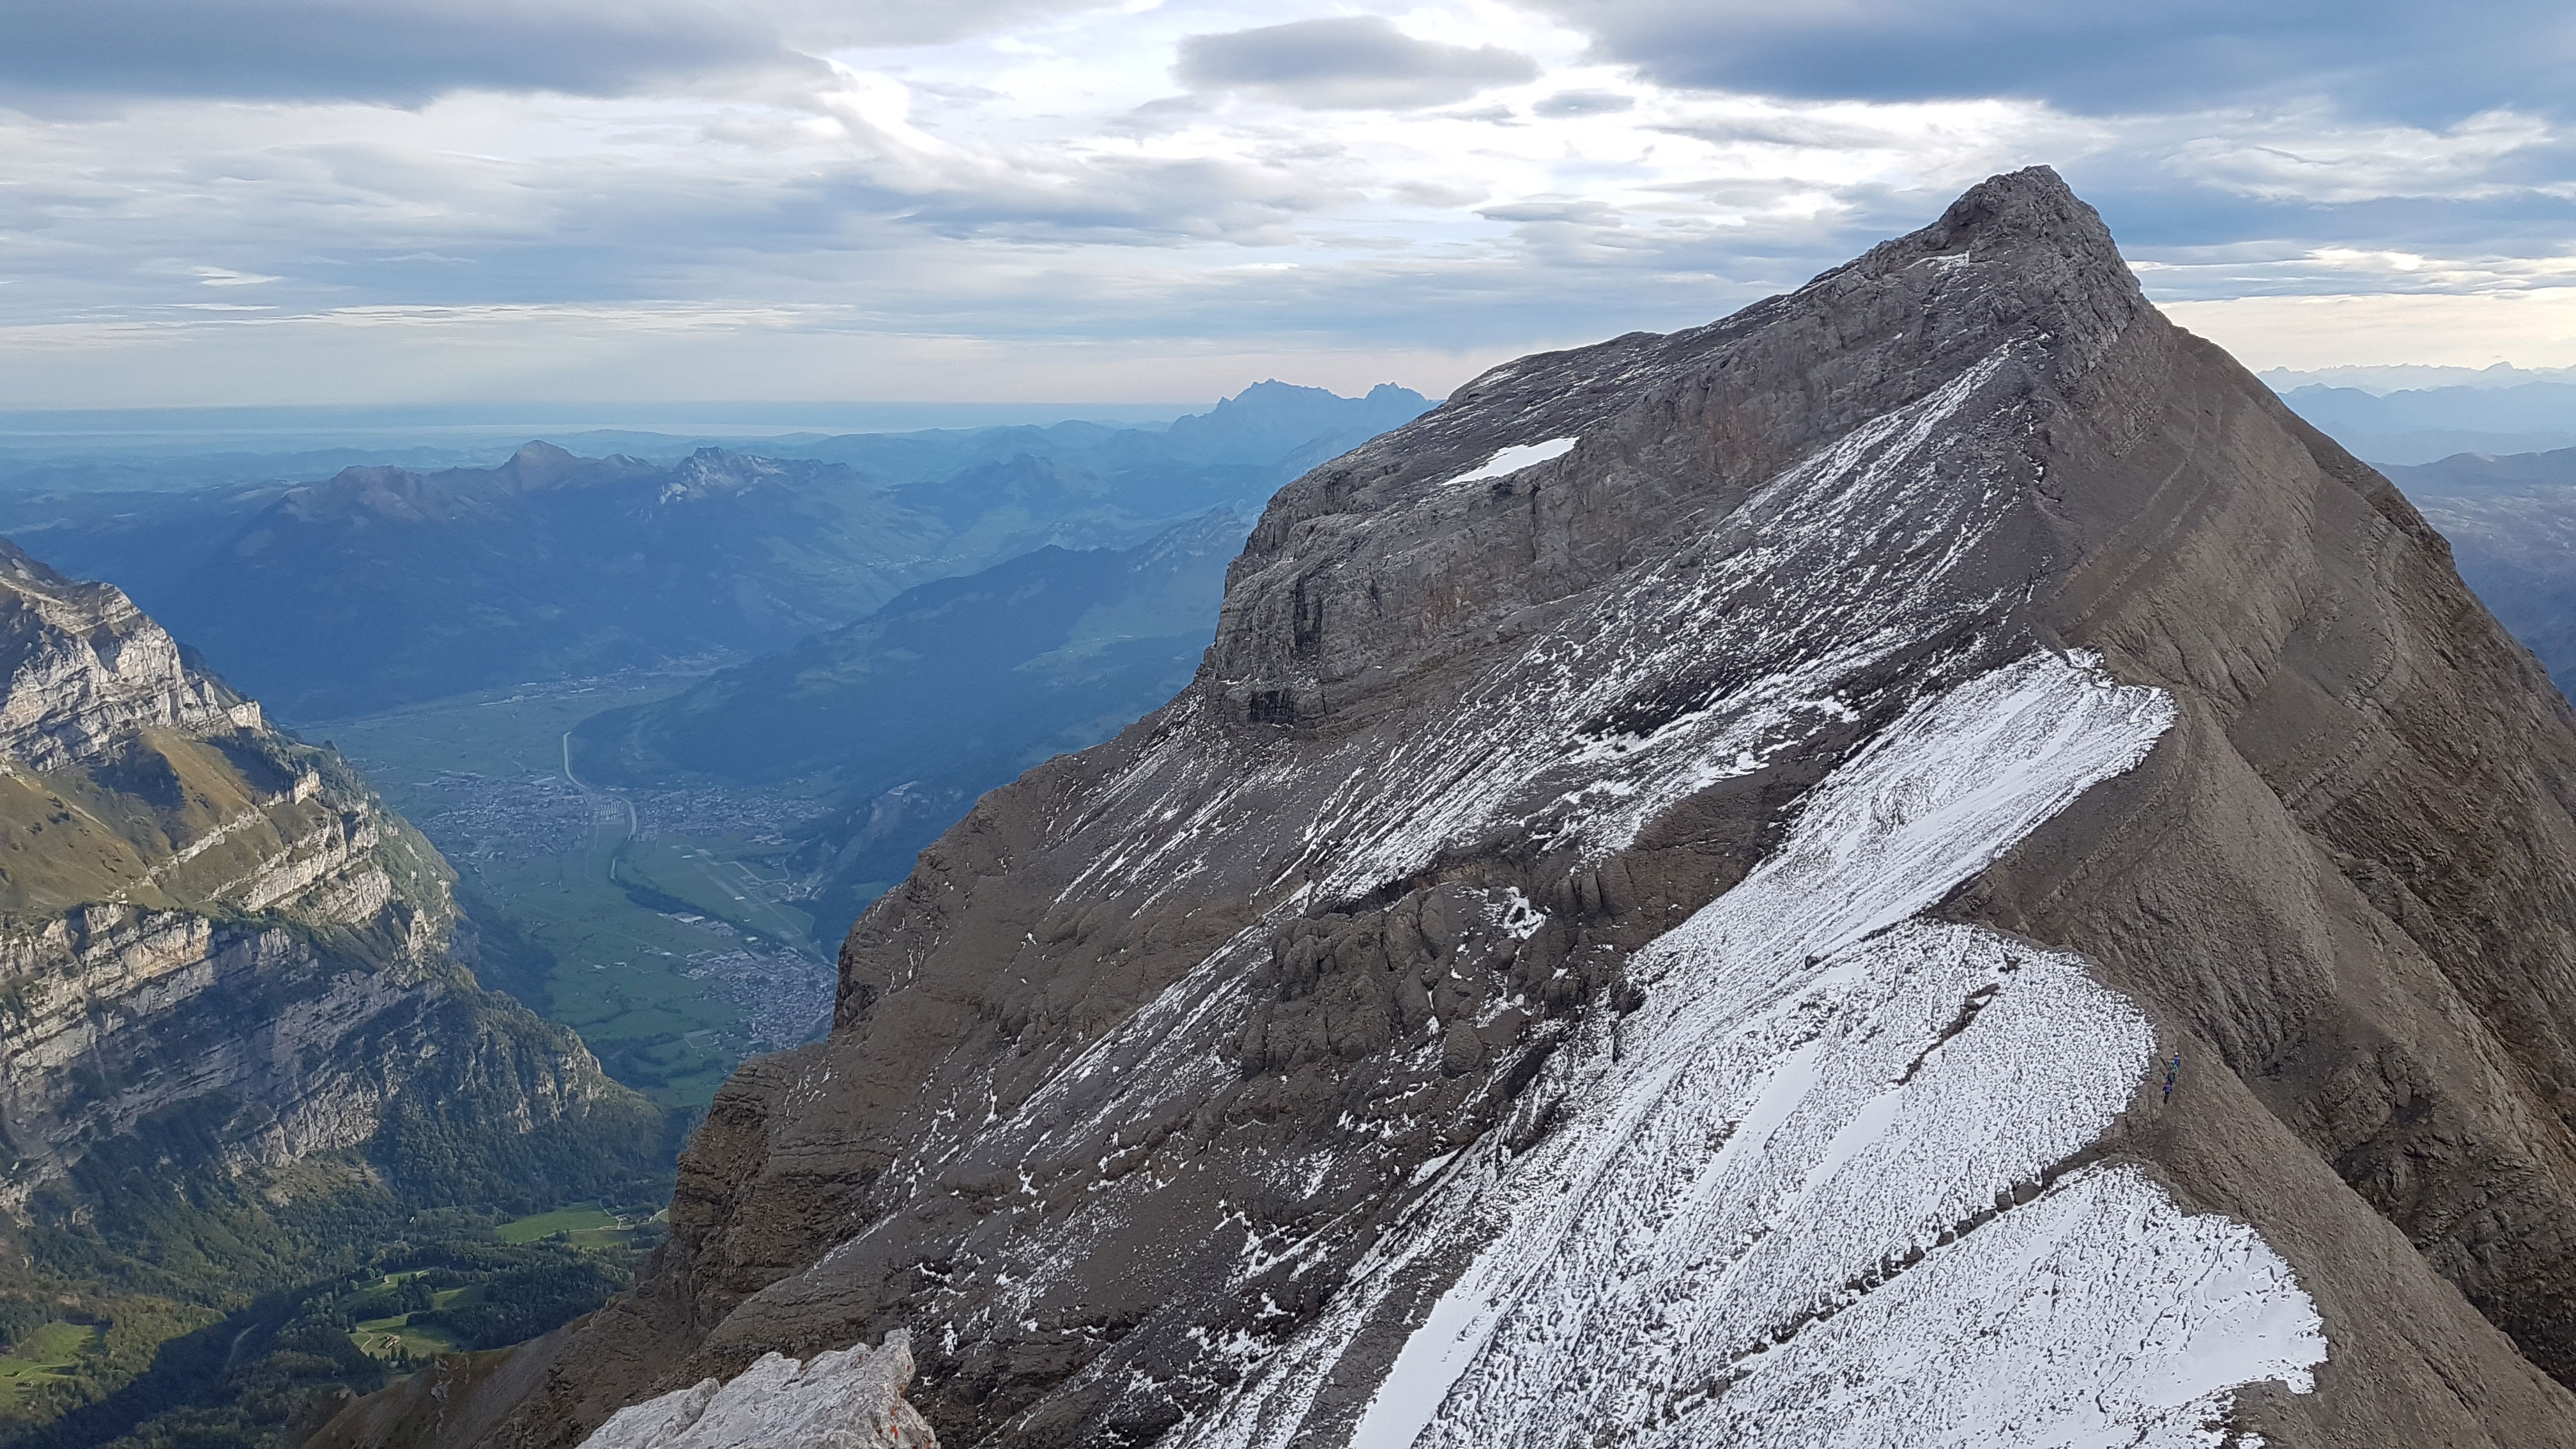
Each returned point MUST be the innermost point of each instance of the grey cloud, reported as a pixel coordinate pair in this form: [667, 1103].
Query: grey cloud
[1789, 130]
[401, 52]
[1585, 103]
[2389, 57]
[80, 53]
[1351, 63]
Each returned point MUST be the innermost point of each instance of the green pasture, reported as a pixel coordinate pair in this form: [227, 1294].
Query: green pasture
[583, 1225]
[46, 1353]
[387, 1337]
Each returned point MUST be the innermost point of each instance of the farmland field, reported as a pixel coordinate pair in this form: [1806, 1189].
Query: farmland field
[659, 924]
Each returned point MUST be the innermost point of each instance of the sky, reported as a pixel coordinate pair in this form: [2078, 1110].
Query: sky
[214, 203]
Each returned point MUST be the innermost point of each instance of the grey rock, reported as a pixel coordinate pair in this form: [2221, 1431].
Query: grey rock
[1155, 1065]
[848, 1398]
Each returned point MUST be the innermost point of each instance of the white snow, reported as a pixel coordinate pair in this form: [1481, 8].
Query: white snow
[1738, 1237]
[1513, 459]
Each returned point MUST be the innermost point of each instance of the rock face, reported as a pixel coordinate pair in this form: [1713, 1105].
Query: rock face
[1924, 864]
[851, 1398]
[217, 949]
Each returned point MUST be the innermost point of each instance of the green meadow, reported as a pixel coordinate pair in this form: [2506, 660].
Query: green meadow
[46, 1354]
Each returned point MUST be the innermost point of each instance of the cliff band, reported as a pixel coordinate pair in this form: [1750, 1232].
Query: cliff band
[220, 952]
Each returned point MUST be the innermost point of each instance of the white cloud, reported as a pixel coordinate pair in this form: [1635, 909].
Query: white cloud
[2315, 158]
[2533, 328]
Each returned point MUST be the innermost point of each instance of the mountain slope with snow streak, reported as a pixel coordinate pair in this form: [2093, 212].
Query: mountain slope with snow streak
[1821, 1102]
[1678, 938]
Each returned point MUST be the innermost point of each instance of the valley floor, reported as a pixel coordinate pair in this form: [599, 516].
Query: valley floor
[659, 924]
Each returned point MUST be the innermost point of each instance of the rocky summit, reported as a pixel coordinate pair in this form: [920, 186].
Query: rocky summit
[1923, 864]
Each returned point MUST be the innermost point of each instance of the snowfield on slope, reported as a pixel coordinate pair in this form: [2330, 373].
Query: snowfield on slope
[1807, 1202]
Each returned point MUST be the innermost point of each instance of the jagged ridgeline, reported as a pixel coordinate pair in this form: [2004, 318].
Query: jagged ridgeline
[241, 1045]
[1921, 865]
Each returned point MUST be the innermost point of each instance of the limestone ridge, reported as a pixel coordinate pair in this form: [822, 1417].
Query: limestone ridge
[212, 930]
[85, 669]
[1664, 919]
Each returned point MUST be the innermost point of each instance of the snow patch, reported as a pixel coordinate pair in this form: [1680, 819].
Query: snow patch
[1513, 459]
[1808, 1202]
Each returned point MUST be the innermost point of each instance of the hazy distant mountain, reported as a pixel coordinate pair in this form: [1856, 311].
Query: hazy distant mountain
[950, 689]
[384, 585]
[2422, 425]
[2412, 376]
[2511, 521]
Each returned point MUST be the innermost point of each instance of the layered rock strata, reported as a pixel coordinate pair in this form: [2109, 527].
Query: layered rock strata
[212, 930]
[1922, 864]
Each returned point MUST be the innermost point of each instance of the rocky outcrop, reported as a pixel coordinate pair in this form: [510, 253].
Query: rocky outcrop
[85, 670]
[213, 933]
[1924, 863]
[850, 1398]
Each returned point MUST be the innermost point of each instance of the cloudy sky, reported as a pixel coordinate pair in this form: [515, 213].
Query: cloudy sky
[209, 202]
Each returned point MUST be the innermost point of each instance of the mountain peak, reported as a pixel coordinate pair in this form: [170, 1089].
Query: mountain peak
[1889, 868]
[82, 669]
[2031, 214]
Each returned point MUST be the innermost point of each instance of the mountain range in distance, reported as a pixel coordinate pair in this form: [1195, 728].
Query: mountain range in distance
[386, 586]
[2511, 523]
[2417, 425]
[893, 724]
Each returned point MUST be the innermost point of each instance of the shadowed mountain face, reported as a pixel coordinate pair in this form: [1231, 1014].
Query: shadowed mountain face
[950, 689]
[1921, 864]
[385, 586]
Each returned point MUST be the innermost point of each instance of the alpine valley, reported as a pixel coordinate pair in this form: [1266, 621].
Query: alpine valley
[248, 1068]
[1925, 864]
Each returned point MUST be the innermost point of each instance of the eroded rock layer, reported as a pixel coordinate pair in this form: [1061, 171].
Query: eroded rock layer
[1923, 864]
[218, 950]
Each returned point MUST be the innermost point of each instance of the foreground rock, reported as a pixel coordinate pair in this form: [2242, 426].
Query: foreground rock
[851, 1398]
[1922, 864]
